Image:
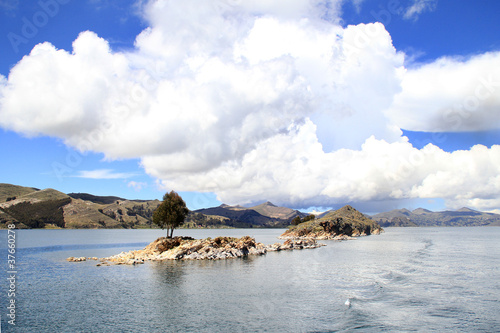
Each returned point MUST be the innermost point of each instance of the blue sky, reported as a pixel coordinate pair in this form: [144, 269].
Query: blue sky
[308, 106]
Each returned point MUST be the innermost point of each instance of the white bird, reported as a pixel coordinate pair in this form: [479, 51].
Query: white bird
[348, 303]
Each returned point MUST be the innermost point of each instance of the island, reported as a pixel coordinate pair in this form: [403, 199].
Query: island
[341, 224]
[187, 248]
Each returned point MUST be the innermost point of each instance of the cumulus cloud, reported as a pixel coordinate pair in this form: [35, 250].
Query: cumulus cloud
[292, 168]
[253, 101]
[450, 95]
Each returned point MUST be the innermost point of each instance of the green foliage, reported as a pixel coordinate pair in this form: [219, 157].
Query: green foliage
[204, 221]
[297, 220]
[141, 211]
[309, 218]
[37, 215]
[171, 213]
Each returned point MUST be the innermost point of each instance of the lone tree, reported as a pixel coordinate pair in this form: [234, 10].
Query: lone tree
[171, 213]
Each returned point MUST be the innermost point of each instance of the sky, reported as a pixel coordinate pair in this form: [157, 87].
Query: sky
[309, 104]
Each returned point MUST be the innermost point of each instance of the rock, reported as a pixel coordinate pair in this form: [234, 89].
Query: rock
[300, 244]
[163, 244]
[274, 247]
[135, 261]
[78, 259]
[103, 263]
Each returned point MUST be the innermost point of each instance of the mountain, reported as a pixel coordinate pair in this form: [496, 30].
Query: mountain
[247, 217]
[265, 215]
[270, 210]
[395, 218]
[421, 211]
[426, 218]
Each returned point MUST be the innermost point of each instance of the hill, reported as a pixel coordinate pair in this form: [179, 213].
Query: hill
[426, 218]
[106, 200]
[10, 192]
[33, 208]
[339, 224]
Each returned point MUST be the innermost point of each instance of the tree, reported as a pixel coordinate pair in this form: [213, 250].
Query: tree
[309, 218]
[296, 220]
[171, 213]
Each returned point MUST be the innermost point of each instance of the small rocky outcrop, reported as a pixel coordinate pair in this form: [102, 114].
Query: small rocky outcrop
[291, 244]
[76, 259]
[163, 244]
[187, 248]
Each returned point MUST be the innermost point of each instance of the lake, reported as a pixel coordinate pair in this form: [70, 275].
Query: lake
[406, 279]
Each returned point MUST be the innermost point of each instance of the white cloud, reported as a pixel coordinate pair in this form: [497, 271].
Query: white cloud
[293, 169]
[104, 174]
[138, 186]
[450, 95]
[418, 7]
[255, 101]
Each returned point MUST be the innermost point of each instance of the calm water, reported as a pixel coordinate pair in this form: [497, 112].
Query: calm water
[407, 279]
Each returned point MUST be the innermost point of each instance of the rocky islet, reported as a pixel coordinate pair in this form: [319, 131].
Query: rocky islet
[342, 224]
[187, 248]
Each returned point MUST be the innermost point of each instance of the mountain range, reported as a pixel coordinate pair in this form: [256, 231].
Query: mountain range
[264, 215]
[29, 207]
[421, 217]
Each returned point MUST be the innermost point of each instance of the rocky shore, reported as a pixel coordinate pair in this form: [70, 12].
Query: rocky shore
[187, 248]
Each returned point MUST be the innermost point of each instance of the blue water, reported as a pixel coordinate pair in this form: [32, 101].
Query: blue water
[407, 279]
